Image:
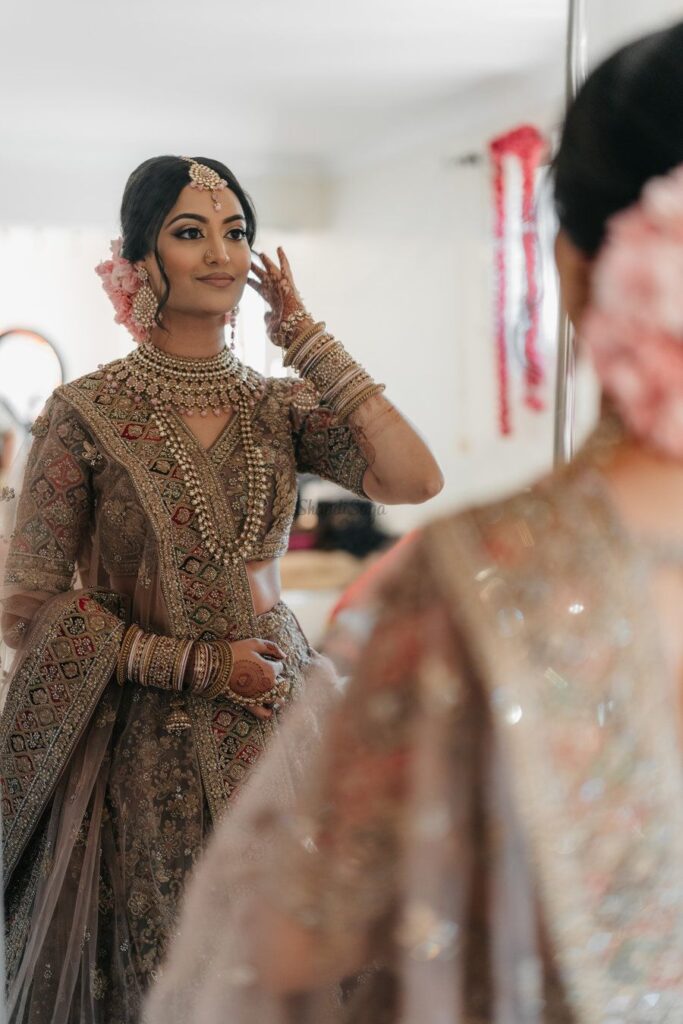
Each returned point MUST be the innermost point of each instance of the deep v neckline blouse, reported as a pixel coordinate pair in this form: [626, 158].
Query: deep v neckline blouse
[226, 436]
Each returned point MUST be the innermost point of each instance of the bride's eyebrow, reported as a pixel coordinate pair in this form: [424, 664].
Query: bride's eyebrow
[203, 220]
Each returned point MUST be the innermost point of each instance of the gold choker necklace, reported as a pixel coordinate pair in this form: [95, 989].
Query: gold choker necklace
[189, 385]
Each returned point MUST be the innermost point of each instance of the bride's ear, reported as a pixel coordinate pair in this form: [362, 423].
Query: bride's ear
[575, 269]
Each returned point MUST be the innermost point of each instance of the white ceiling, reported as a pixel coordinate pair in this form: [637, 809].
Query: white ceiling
[293, 83]
[297, 90]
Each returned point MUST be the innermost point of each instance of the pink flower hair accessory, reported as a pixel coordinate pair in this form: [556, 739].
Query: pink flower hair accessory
[633, 327]
[121, 281]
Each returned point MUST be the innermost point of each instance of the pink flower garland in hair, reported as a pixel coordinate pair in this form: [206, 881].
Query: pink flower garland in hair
[120, 281]
[634, 325]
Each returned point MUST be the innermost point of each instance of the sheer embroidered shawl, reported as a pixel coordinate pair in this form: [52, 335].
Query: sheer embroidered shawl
[492, 827]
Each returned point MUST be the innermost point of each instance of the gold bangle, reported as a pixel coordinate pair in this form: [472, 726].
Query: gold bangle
[224, 664]
[180, 665]
[331, 367]
[172, 646]
[351, 391]
[353, 400]
[312, 348]
[298, 343]
[201, 662]
[122, 660]
[346, 379]
[372, 390]
[136, 653]
[310, 342]
[162, 661]
[317, 355]
[226, 661]
[149, 643]
[152, 673]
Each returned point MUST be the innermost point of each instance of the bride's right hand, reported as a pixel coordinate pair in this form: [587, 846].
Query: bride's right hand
[256, 669]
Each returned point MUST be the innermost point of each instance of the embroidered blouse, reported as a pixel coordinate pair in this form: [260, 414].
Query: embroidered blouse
[104, 498]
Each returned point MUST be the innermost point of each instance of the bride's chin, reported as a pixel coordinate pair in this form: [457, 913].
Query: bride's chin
[202, 313]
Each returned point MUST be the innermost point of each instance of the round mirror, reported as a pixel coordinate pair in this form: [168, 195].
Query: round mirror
[30, 369]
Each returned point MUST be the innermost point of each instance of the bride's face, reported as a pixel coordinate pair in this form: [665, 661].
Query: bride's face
[205, 253]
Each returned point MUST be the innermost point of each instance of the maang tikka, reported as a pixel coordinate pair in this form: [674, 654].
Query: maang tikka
[206, 179]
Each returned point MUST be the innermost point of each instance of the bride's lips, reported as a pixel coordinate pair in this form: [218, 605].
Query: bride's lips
[218, 280]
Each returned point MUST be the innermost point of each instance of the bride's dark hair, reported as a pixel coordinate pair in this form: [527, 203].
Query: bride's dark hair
[625, 127]
[151, 193]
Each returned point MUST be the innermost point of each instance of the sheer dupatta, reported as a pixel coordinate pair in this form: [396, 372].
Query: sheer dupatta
[58, 648]
[491, 829]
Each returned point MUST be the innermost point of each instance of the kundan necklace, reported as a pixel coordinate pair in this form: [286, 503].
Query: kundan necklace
[185, 385]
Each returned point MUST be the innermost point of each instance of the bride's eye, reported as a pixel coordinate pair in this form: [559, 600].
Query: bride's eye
[237, 234]
[190, 233]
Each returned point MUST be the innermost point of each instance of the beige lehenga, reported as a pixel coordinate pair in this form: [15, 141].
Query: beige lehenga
[106, 806]
[492, 827]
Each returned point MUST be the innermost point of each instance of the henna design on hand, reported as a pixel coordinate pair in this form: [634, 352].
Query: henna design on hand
[276, 286]
[249, 679]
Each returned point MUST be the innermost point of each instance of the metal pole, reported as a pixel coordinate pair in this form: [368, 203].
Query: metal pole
[565, 384]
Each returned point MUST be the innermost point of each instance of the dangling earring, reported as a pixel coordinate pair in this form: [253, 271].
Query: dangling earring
[232, 320]
[145, 303]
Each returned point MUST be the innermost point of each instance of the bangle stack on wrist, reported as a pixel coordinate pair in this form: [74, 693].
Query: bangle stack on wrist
[149, 659]
[212, 668]
[343, 384]
[310, 335]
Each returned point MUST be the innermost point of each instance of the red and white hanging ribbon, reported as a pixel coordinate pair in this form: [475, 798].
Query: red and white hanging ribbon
[528, 145]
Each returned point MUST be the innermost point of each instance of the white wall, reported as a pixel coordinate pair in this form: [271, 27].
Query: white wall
[49, 284]
[404, 278]
[612, 23]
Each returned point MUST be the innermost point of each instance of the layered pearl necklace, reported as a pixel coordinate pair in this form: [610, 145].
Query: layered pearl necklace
[221, 383]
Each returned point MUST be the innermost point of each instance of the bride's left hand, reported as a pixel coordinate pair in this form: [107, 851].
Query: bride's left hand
[275, 284]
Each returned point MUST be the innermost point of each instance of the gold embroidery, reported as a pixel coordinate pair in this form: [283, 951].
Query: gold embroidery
[90, 454]
[41, 425]
[101, 416]
[54, 692]
[98, 983]
[19, 896]
[548, 594]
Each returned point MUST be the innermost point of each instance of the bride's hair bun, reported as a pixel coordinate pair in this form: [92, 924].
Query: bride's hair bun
[624, 128]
